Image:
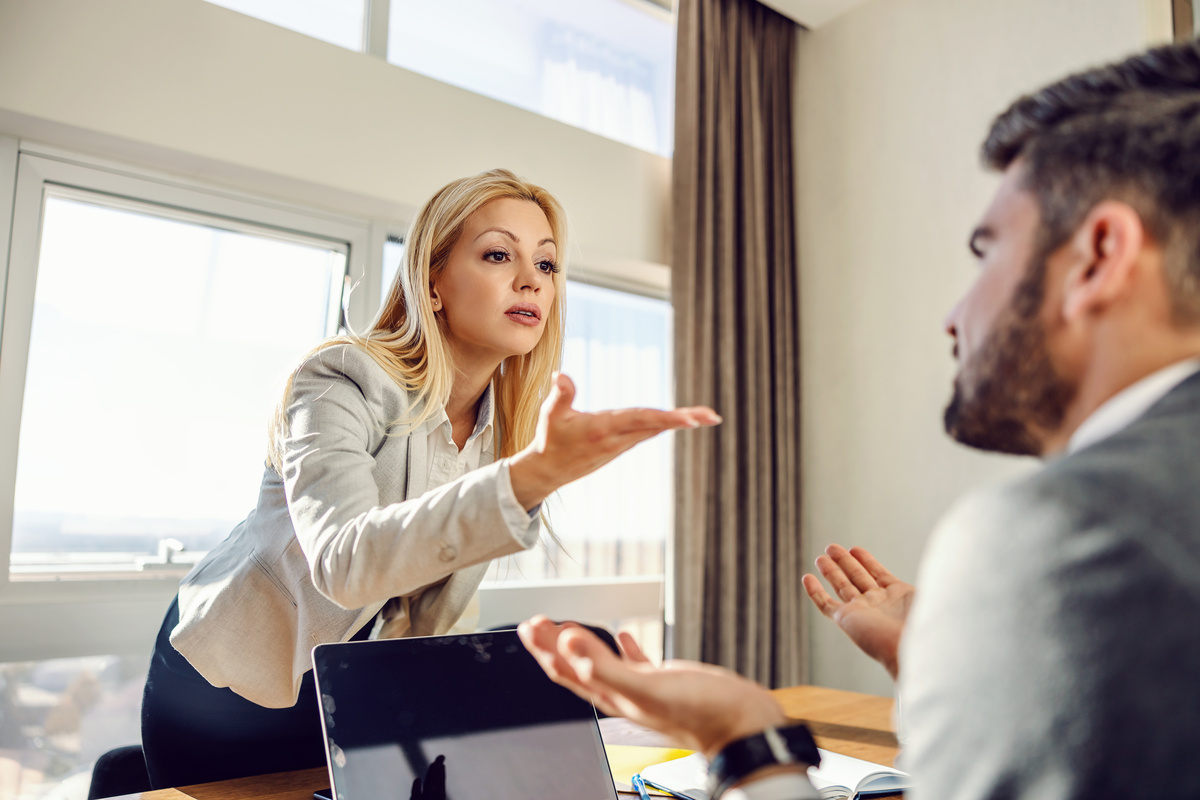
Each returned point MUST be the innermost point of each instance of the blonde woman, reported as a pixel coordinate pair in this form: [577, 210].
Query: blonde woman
[400, 463]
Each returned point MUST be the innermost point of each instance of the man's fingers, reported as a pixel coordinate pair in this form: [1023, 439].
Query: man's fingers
[842, 586]
[878, 571]
[600, 670]
[540, 637]
[631, 649]
[816, 592]
[858, 575]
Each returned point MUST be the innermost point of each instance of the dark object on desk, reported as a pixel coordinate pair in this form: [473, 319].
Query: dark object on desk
[434, 787]
[392, 707]
[119, 771]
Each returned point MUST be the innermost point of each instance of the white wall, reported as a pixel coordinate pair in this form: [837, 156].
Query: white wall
[893, 100]
[199, 90]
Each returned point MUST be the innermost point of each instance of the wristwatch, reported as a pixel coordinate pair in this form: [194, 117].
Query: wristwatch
[790, 745]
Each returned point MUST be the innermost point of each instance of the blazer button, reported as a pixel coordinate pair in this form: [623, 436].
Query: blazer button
[449, 552]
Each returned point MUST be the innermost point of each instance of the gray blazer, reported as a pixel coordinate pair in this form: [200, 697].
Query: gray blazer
[349, 525]
[1054, 649]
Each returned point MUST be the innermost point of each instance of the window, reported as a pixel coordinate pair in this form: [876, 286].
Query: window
[58, 716]
[616, 521]
[339, 22]
[157, 342]
[393, 256]
[606, 66]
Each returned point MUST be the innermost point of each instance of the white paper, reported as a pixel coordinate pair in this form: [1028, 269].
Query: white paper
[689, 775]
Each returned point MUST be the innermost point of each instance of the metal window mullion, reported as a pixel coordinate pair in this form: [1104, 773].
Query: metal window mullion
[375, 33]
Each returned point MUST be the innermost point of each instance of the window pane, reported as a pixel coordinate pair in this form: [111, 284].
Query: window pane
[57, 717]
[157, 350]
[606, 66]
[393, 255]
[339, 22]
[615, 521]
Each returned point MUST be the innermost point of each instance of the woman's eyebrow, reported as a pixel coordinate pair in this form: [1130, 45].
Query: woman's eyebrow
[512, 236]
[505, 231]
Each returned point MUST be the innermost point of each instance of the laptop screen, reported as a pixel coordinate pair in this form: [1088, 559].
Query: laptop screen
[454, 718]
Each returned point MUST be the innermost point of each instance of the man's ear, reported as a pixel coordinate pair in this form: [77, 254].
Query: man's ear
[1104, 254]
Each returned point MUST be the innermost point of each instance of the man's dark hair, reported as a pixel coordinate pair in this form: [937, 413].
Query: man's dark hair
[1128, 131]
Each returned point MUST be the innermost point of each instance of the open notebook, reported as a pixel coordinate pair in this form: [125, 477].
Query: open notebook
[838, 777]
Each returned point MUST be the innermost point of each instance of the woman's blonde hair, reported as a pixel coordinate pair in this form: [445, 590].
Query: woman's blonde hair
[407, 339]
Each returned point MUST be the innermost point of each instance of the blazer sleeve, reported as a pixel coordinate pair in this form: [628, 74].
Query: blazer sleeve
[359, 551]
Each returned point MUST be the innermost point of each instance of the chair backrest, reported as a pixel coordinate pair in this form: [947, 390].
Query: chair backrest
[119, 771]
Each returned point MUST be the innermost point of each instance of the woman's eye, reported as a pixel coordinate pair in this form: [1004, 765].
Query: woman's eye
[549, 267]
[495, 256]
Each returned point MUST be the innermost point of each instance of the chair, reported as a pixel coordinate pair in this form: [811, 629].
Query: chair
[119, 771]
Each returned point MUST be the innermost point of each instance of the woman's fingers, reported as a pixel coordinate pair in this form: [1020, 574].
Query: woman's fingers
[635, 420]
[562, 395]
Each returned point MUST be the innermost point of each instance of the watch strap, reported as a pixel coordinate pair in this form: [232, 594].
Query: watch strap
[738, 759]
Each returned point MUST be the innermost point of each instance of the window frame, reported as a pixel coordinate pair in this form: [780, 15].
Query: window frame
[103, 612]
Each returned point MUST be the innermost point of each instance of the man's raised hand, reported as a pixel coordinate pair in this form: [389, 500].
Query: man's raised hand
[873, 604]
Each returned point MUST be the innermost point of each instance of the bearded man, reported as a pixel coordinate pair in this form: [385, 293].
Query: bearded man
[1052, 651]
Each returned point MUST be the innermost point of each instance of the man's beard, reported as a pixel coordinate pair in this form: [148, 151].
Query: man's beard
[1009, 390]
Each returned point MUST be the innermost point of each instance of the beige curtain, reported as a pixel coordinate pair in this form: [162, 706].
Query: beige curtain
[737, 594]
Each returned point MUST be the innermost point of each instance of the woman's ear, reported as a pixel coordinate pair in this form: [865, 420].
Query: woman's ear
[1104, 251]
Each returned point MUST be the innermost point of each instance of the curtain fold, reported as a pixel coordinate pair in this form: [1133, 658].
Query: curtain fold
[737, 598]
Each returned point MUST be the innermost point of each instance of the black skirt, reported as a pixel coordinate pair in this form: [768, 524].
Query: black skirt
[194, 732]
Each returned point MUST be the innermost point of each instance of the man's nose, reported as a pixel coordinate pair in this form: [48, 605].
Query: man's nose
[950, 323]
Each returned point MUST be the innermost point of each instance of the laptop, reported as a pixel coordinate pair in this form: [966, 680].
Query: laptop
[465, 717]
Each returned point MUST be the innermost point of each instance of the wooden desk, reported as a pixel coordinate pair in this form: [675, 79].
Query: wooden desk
[853, 724]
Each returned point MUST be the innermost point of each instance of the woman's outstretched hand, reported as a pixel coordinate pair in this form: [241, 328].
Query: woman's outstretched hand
[699, 706]
[570, 444]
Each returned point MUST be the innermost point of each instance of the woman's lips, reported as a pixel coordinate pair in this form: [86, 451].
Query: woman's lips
[525, 314]
[523, 319]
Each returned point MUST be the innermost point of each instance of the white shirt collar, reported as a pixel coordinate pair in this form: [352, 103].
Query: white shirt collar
[484, 418]
[1125, 406]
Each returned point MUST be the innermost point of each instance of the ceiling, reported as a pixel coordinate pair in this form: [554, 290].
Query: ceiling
[811, 13]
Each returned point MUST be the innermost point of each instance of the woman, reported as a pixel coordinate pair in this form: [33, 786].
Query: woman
[400, 463]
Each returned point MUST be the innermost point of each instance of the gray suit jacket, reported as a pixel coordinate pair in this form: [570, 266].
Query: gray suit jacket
[347, 526]
[1054, 650]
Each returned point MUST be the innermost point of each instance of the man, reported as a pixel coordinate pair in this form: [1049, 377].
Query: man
[1053, 651]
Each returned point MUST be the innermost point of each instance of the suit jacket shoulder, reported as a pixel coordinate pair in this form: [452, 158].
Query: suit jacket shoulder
[1052, 644]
